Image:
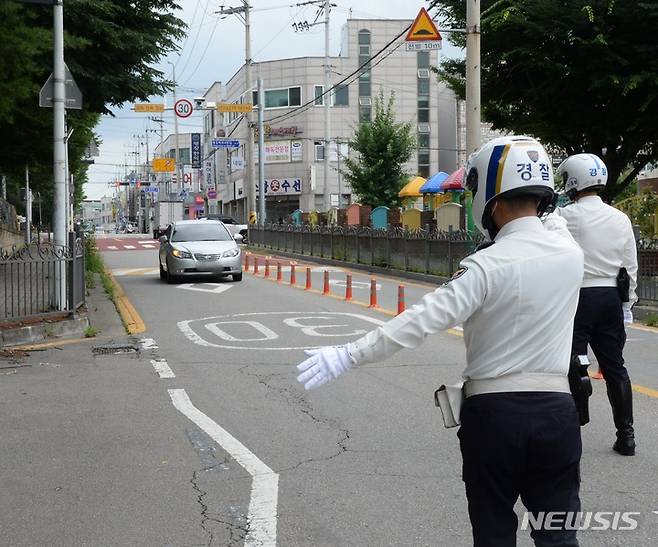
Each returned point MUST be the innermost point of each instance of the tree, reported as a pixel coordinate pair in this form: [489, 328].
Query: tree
[383, 147]
[110, 47]
[580, 75]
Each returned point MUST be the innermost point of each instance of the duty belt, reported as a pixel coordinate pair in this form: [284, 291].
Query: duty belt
[523, 381]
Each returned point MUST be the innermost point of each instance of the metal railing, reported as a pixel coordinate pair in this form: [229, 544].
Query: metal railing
[423, 251]
[29, 279]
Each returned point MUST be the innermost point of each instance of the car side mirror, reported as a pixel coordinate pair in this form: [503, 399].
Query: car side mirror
[238, 238]
[162, 239]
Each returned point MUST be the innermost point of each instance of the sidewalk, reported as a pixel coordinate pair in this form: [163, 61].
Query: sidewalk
[92, 448]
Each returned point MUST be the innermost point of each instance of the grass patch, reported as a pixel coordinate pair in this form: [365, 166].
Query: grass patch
[94, 265]
[49, 332]
[91, 332]
[651, 320]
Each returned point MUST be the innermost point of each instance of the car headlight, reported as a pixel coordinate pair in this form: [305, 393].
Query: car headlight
[232, 252]
[181, 254]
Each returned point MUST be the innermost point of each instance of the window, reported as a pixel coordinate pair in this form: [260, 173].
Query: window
[424, 171]
[423, 140]
[364, 50]
[423, 128]
[423, 158]
[281, 98]
[365, 101]
[319, 150]
[423, 59]
[423, 87]
[364, 114]
[423, 115]
[341, 96]
[364, 37]
[254, 98]
[318, 90]
[364, 88]
[424, 73]
[423, 102]
[295, 94]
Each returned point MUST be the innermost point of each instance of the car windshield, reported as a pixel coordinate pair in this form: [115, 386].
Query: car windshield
[200, 232]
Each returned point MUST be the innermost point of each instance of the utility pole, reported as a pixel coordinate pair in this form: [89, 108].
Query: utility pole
[59, 148]
[4, 187]
[327, 106]
[261, 155]
[473, 132]
[249, 146]
[28, 207]
[179, 178]
[249, 186]
[340, 189]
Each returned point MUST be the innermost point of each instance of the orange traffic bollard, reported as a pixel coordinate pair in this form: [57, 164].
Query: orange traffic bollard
[325, 288]
[348, 287]
[400, 299]
[373, 293]
[278, 272]
[308, 279]
[293, 277]
[255, 265]
[246, 262]
[267, 266]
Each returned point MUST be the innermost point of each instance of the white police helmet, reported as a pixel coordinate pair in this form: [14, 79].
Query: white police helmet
[507, 166]
[582, 172]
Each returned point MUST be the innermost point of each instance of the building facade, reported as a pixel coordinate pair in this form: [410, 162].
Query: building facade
[294, 119]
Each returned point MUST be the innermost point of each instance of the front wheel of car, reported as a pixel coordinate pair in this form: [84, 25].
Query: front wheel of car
[237, 277]
[171, 279]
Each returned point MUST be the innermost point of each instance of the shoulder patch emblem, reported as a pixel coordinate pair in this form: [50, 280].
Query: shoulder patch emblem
[458, 273]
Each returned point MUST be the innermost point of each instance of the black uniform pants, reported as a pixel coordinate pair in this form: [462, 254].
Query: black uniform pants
[599, 323]
[520, 444]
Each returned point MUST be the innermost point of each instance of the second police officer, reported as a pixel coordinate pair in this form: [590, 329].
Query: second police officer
[516, 299]
[605, 235]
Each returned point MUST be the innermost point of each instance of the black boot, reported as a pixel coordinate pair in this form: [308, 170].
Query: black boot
[621, 400]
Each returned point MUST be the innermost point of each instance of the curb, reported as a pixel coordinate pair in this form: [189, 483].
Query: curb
[132, 321]
[44, 332]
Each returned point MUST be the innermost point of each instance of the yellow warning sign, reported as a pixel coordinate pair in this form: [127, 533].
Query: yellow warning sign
[164, 165]
[423, 29]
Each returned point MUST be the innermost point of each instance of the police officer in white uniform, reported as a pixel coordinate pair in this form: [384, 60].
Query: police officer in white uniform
[606, 236]
[516, 299]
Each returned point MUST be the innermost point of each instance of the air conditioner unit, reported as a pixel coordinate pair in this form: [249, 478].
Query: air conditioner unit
[365, 101]
[423, 73]
[423, 127]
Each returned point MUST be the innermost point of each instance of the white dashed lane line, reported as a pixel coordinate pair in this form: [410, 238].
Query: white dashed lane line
[162, 368]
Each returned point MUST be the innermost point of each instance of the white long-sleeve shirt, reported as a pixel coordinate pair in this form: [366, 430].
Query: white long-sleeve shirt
[516, 299]
[606, 236]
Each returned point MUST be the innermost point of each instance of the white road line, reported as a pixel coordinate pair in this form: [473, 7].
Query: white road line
[219, 287]
[146, 242]
[112, 247]
[148, 343]
[162, 368]
[264, 486]
[129, 247]
[144, 246]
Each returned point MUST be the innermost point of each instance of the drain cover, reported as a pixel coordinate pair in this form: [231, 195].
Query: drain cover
[114, 349]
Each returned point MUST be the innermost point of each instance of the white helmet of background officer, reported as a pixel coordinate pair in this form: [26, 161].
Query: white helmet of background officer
[582, 172]
[507, 166]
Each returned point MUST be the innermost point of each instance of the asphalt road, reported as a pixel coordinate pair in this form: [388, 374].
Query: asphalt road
[206, 429]
[364, 461]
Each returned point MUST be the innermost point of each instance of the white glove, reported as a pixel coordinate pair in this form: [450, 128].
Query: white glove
[628, 314]
[323, 365]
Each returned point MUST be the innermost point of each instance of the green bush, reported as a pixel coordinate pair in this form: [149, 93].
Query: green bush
[651, 320]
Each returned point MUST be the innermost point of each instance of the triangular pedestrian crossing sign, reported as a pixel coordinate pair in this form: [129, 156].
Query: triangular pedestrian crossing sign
[423, 28]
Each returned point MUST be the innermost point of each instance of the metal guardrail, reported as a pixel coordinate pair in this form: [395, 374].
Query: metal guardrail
[423, 251]
[28, 279]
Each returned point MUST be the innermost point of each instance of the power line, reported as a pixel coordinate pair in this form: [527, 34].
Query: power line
[203, 55]
[355, 74]
[196, 38]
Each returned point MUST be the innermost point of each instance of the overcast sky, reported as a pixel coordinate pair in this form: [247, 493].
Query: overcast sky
[213, 50]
